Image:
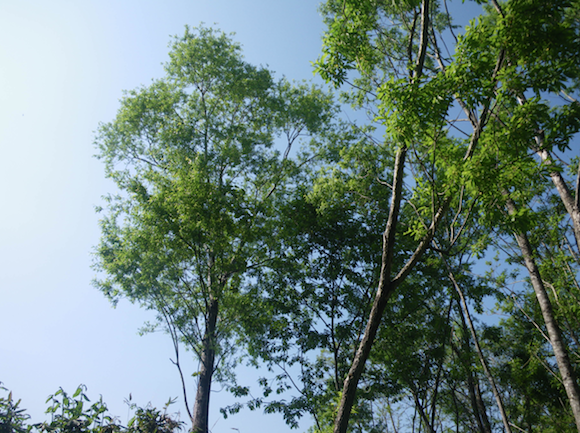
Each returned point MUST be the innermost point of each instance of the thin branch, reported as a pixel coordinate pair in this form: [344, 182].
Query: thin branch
[482, 359]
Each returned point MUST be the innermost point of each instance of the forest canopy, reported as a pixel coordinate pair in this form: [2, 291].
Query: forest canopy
[263, 227]
[352, 262]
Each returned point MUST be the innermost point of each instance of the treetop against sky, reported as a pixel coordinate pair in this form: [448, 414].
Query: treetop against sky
[497, 176]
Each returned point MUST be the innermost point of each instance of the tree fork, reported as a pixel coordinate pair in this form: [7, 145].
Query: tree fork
[570, 202]
[383, 292]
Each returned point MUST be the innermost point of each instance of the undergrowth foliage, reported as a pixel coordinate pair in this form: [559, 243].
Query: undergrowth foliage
[76, 414]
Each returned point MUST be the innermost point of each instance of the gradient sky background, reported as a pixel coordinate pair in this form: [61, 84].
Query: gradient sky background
[63, 66]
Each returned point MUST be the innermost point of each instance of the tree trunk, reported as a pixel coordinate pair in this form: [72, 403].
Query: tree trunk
[422, 414]
[383, 292]
[481, 406]
[467, 316]
[554, 334]
[207, 361]
[386, 286]
[572, 205]
[385, 289]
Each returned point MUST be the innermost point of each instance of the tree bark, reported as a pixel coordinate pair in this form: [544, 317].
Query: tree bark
[383, 292]
[422, 414]
[570, 203]
[207, 361]
[554, 334]
[481, 406]
[386, 286]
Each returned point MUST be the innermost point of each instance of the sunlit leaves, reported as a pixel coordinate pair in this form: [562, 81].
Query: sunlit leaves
[192, 155]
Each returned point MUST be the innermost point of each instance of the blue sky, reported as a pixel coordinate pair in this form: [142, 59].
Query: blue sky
[63, 66]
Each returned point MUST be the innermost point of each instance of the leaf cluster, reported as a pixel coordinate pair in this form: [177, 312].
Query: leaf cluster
[74, 414]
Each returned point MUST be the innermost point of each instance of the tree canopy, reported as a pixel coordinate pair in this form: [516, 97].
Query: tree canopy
[476, 182]
[192, 155]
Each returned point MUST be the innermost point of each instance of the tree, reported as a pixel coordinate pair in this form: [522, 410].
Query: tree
[356, 40]
[542, 71]
[355, 261]
[319, 290]
[504, 80]
[193, 158]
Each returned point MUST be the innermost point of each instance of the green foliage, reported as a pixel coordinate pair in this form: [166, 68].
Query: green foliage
[201, 183]
[74, 414]
[534, 396]
[513, 76]
[291, 248]
[152, 420]
[192, 157]
[12, 418]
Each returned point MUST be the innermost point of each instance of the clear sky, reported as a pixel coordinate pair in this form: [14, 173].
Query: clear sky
[63, 66]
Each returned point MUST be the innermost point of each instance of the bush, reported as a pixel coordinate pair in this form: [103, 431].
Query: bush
[75, 414]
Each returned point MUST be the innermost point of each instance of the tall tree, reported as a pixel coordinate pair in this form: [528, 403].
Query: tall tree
[193, 158]
[412, 98]
[535, 123]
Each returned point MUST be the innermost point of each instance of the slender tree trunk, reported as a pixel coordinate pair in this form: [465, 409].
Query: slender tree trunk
[379, 304]
[467, 316]
[385, 289]
[422, 414]
[554, 334]
[472, 386]
[207, 361]
[571, 203]
[478, 411]
[481, 405]
[386, 286]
